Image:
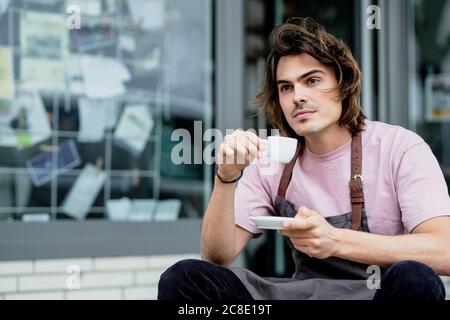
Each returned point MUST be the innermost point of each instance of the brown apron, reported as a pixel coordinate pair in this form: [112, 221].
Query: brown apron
[331, 278]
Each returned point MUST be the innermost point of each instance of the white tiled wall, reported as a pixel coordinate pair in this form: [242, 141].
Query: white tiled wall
[112, 278]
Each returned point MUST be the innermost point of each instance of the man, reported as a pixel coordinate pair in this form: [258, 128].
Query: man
[363, 193]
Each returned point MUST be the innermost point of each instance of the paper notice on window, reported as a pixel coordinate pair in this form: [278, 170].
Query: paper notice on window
[96, 115]
[142, 209]
[118, 209]
[36, 217]
[37, 123]
[44, 48]
[6, 74]
[127, 42]
[134, 128]
[92, 120]
[41, 168]
[7, 136]
[104, 77]
[437, 89]
[84, 192]
[125, 209]
[150, 61]
[168, 210]
[148, 14]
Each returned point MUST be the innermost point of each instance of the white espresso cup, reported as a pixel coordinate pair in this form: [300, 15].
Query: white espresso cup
[280, 149]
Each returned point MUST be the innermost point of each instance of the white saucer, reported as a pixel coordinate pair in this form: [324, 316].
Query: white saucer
[270, 222]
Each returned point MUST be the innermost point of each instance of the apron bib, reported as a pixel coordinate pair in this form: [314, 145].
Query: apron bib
[331, 278]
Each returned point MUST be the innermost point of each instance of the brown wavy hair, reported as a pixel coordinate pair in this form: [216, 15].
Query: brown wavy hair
[304, 35]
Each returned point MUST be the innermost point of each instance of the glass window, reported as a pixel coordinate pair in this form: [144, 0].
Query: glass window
[430, 84]
[337, 17]
[89, 98]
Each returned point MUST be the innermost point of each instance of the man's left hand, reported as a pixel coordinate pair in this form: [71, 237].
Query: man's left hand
[311, 234]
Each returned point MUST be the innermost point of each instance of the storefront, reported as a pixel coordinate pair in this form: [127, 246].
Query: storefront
[91, 92]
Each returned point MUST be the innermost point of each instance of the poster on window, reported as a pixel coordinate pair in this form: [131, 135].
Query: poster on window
[437, 88]
[44, 47]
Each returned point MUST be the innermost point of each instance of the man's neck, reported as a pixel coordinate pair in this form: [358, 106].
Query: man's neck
[328, 139]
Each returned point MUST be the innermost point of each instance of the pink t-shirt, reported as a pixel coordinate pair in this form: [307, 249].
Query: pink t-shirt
[403, 183]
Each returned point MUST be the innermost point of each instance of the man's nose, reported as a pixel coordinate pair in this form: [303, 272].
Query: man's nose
[299, 96]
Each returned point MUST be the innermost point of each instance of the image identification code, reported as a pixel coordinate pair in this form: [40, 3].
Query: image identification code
[226, 309]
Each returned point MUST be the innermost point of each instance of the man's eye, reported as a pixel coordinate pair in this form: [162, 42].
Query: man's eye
[285, 88]
[312, 81]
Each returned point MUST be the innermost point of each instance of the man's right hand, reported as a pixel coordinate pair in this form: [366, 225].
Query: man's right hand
[237, 151]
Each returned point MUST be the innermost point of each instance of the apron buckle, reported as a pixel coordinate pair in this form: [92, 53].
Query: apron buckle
[356, 176]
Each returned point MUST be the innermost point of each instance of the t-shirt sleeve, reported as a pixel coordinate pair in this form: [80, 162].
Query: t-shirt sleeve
[252, 198]
[421, 188]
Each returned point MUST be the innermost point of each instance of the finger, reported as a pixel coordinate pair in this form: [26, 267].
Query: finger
[299, 223]
[242, 153]
[303, 234]
[228, 150]
[225, 150]
[257, 141]
[305, 212]
[228, 154]
[285, 233]
[232, 151]
[231, 138]
[249, 140]
[251, 147]
[302, 243]
[234, 143]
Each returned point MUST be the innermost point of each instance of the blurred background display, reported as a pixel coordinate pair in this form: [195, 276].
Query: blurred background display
[90, 93]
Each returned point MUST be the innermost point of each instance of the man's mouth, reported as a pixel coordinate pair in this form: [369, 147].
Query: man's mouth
[303, 113]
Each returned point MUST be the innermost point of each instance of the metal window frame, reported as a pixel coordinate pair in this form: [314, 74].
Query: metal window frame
[393, 62]
[365, 52]
[229, 53]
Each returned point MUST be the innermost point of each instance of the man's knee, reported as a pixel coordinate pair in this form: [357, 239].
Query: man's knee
[180, 270]
[409, 270]
[412, 280]
[176, 276]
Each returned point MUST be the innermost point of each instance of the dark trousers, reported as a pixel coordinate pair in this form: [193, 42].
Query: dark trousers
[410, 280]
[200, 280]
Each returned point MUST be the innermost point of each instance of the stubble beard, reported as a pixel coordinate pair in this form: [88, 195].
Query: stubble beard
[308, 126]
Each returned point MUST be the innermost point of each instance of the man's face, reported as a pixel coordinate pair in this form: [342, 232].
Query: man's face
[308, 93]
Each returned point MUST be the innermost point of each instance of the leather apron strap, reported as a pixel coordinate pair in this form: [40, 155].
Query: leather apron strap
[355, 183]
[287, 173]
